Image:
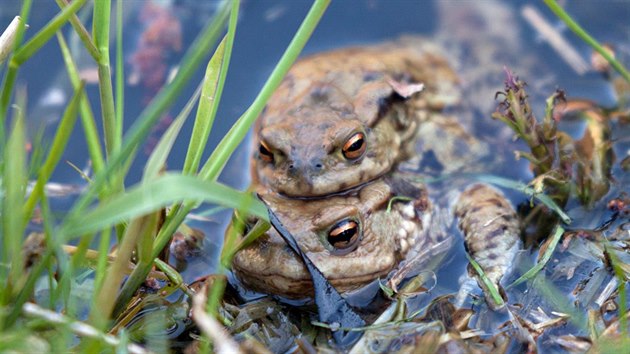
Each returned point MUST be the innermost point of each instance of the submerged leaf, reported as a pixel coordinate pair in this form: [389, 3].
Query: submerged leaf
[333, 309]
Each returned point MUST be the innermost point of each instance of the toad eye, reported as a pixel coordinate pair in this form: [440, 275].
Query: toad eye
[344, 236]
[265, 153]
[354, 147]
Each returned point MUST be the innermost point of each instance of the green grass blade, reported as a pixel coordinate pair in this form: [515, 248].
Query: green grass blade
[228, 253]
[157, 160]
[34, 273]
[100, 23]
[616, 265]
[206, 111]
[120, 70]
[32, 46]
[491, 288]
[92, 137]
[555, 238]
[64, 130]
[141, 228]
[228, 144]
[102, 12]
[11, 74]
[81, 31]
[559, 302]
[580, 32]
[14, 181]
[508, 183]
[153, 195]
[142, 126]
[214, 80]
[104, 243]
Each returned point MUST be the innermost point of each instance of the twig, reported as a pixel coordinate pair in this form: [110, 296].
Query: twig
[223, 343]
[79, 328]
[555, 39]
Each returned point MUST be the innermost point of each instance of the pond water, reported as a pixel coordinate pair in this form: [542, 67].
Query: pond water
[264, 30]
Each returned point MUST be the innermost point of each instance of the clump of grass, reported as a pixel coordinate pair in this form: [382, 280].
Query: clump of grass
[107, 206]
[561, 164]
[565, 168]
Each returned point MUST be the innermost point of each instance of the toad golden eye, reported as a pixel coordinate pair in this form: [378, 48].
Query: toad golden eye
[264, 152]
[344, 235]
[354, 147]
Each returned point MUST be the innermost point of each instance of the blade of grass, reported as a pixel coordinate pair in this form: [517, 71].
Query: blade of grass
[227, 253]
[81, 31]
[494, 292]
[228, 144]
[26, 292]
[558, 299]
[100, 29]
[555, 238]
[87, 117]
[14, 181]
[157, 160]
[228, 250]
[64, 130]
[38, 151]
[29, 48]
[621, 278]
[103, 252]
[580, 32]
[175, 278]
[153, 195]
[120, 70]
[140, 228]
[515, 185]
[68, 268]
[207, 108]
[92, 257]
[9, 77]
[151, 114]
[214, 80]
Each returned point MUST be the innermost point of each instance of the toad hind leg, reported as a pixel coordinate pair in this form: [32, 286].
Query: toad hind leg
[491, 233]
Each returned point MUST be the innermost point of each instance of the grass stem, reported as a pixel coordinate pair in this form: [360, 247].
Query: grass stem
[580, 32]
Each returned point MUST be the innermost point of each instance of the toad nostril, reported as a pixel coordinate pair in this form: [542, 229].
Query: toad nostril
[291, 167]
[319, 166]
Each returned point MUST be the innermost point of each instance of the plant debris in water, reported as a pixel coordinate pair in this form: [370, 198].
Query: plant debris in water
[332, 308]
[560, 163]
